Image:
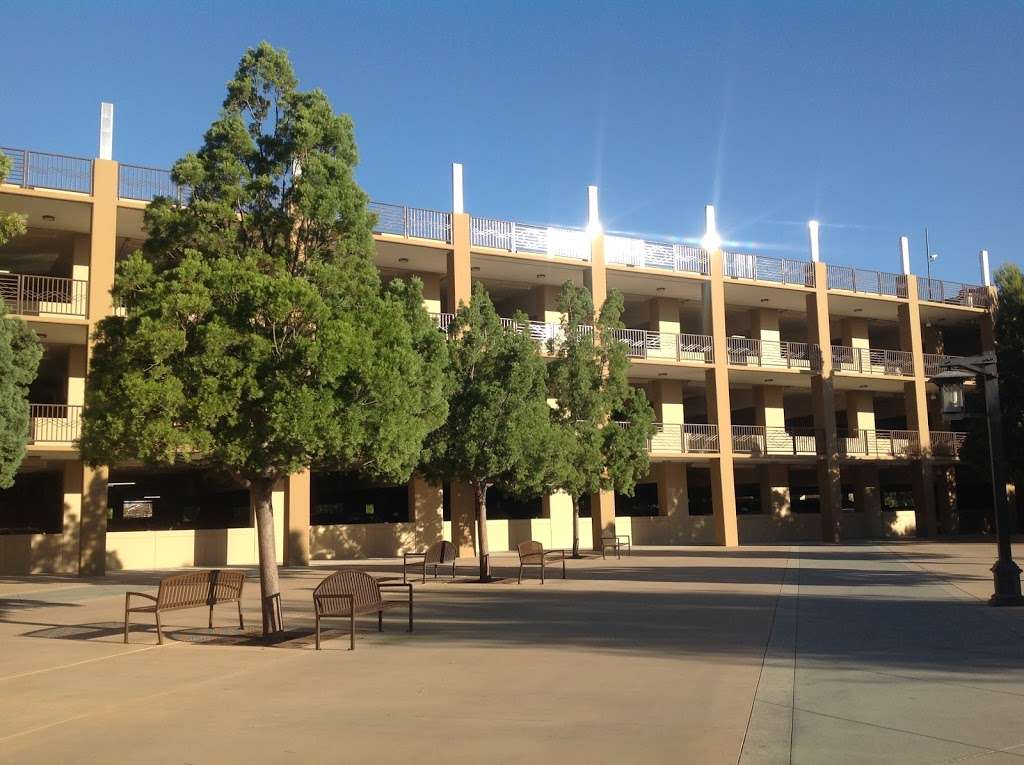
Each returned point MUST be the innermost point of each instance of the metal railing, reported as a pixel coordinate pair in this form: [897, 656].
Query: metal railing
[879, 443]
[54, 423]
[643, 253]
[523, 237]
[947, 443]
[144, 184]
[31, 295]
[863, 280]
[751, 352]
[686, 439]
[669, 346]
[761, 268]
[952, 293]
[443, 320]
[933, 361]
[872, 361]
[39, 169]
[761, 441]
[412, 222]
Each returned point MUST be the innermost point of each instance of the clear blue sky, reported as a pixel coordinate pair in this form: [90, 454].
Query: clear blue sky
[876, 118]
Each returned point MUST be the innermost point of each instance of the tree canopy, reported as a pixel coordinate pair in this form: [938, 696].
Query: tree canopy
[258, 336]
[588, 380]
[20, 352]
[1009, 336]
[498, 431]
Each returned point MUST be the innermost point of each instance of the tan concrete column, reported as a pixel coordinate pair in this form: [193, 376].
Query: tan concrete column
[80, 256]
[459, 276]
[602, 516]
[867, 498]
[764, 326]
[296, 522]
[426, 511]
[770, 413]
[855, 335]
[77, 365]
[916, 397]
[667, 401]
[775, 495]
[716, 380]
[463, 509]
[860, 416]
[823, 399]
[595, 277]
[431, 292]
[104, 238]
[92, 538]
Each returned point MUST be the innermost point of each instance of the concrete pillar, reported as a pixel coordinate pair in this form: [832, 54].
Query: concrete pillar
[463, 509]
[92, 537]
[459, 275]
[664, 315]
[716, 379]
[946, 500]
[673, 496]
[770, 413]
[916, 397]
[77, 363]
[602, 516]
[867, 498]
[543, 304]
[426, 511]
[431, 292]
[764, 326]
[296, 521]
[103, 244]
[595, 277]
[80, 257]
[775, 497]
[557, 508]
[860, 417]
[824, 402]
[855, 335]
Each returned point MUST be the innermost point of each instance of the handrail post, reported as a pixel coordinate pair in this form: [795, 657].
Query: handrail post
[24, 169]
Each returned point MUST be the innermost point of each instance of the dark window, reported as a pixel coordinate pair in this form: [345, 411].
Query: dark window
[175, 499]
[849, 499]
[748, 499]
[33, 505]
[584, 505]
[700, 499]
[644, 501]
[897, 498]
[502, 506]
[805, 499]
[344, 498]
[446, 502]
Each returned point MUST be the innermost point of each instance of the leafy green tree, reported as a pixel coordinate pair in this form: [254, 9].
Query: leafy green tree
[588, 380]
[258, 337]
[1009, 337]
[20, 352]
[498, 431]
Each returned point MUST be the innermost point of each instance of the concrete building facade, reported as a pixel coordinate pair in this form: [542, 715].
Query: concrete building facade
[792, 396]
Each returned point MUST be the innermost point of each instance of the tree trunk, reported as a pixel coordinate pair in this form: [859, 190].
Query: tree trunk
[261, 493]
[576, 527]
[481, 534]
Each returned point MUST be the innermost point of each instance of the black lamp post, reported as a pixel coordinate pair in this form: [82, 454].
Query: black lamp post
[1005, 573]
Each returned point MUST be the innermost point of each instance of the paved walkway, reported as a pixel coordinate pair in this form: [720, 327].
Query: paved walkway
[756, 655]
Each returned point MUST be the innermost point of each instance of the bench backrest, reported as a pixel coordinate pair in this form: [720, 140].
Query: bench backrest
[531, 552]
[199, 588]
[440, 552]
[361, 586]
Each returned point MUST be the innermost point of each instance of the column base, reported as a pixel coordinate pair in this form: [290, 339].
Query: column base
[1006, 578]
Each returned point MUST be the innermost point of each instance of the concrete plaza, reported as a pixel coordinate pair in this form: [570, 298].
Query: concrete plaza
[805, 654]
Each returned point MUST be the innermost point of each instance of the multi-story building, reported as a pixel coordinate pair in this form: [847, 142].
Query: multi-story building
[792, 397]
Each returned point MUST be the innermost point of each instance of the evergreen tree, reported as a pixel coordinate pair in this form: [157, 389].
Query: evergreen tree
[588, 380]
[498, 431]
[258, 337]
[20, 352]
[1009, 336]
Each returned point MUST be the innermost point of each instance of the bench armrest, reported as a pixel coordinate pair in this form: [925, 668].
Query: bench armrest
[385, 585]
[346, 596]
[558, 553]
[414, 555]
[141, 595]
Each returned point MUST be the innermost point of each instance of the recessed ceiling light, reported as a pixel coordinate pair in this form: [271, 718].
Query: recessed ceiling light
[660, 289]
[403, 260]
[769, 379]
[858, 310]
[764, 300]
[474, 268]
[542, 276]
[49, 218]
[662, 374]
[864, 387]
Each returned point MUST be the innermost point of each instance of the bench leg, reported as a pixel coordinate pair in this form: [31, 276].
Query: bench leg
[126, 618]
[453, 571]
[410, 610]
[352, 630]
[520, 573]
[211, 616]
[241, 621]
[380, 621]
[318, 632]
[543, 565]
[159, 631]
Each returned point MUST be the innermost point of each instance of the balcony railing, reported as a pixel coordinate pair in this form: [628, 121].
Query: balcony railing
[38, 169]
[872, 361]
[870, 282]
[412, 222]
[879, 443]
[764, 269]
[953, 293]
[947, 443]
[668, 346]
[31, 295]
[523, 237]
[144, 184]
[642, 253]
[750, 352]
[673, 438]
[761, 441]
[54, 423]
[933, 361]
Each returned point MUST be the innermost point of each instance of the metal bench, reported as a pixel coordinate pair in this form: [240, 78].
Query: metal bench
[345, 594]
[532, 553]
[438, 554]
[193, 590]
[616, 542]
